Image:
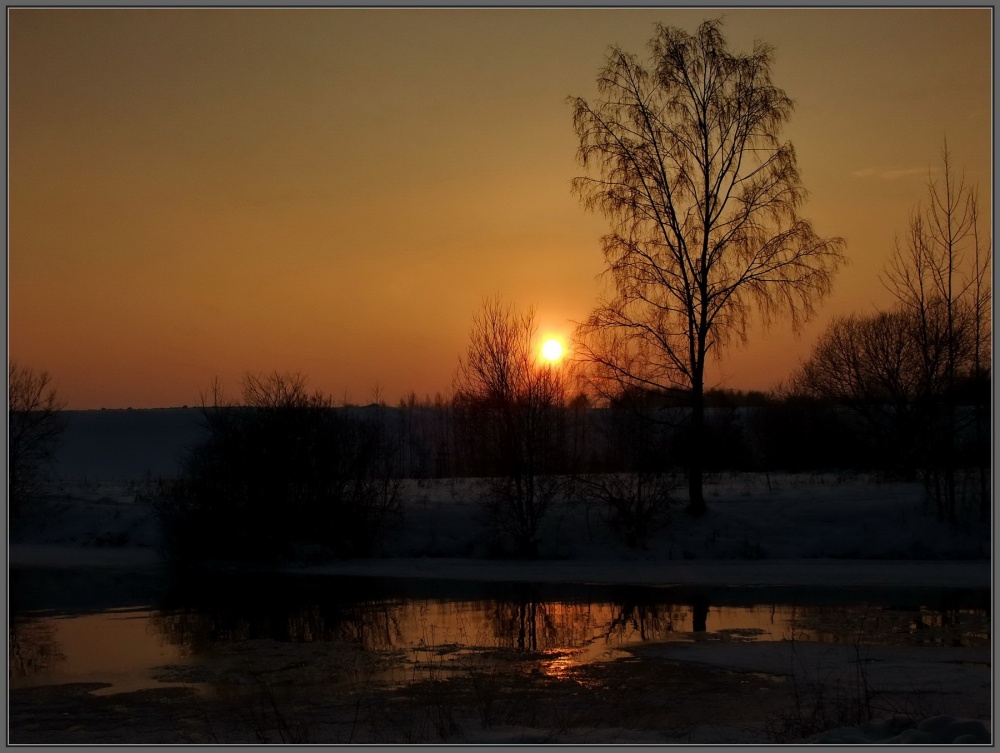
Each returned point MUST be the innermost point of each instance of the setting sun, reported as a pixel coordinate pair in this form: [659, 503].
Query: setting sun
[552, 350]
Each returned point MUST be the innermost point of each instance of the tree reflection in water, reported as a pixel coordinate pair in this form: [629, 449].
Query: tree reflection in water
[520, 618]
[31, 648]
[517, 624]
[384, 616]
[643, 620]
[527, 623]
[373, 625]
[332, 638]
[520, 622]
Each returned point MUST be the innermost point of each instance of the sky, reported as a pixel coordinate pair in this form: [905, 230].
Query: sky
[199, 193]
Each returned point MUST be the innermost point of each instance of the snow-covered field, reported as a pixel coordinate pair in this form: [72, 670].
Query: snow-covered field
[878, 532]
[107, 468]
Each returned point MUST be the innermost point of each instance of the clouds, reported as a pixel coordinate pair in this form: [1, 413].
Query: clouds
[893, 174]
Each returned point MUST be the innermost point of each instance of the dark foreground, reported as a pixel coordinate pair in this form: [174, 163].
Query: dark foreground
[637, 698]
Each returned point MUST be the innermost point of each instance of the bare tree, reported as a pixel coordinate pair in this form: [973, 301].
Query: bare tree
[939, 273]
[872, 366]
[703, 198]
[865, 360]
[35, 425]
[511, 404]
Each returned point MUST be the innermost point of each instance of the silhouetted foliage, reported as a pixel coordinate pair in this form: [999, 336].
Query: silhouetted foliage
[940, 274]
[915, 376]
[282, 475]
[635, 504]
[870, 365]
[636, 476]
[510, 410]
[703, 200]
[726, 443]
[34, 428]
[795, 432]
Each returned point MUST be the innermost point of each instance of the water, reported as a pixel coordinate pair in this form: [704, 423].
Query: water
[134, 631]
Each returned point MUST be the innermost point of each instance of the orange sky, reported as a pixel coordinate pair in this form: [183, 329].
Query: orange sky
[198, 193]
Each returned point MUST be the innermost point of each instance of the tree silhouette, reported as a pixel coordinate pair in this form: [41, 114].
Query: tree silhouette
[685, 161]
[281, 472]
[871, 365]
[911, 373]
[35, 425]
[939, 273]
[510, 405]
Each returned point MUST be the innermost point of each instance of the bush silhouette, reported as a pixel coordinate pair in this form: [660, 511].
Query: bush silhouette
[282, 475]
[34, 428]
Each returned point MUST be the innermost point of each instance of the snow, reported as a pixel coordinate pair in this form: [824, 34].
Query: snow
[897, 730]
[934, 730]
[94, 523]
[750, 517]
[905, 731]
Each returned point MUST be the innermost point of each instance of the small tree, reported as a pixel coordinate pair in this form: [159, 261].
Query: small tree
[511, 406]
[35, 425]
[939, 274]
[703, 199]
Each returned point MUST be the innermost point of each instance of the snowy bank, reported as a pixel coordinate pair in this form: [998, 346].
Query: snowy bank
[790, 530]
[813, 572]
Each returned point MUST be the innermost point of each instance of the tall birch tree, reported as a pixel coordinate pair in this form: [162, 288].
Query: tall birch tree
[683, 156]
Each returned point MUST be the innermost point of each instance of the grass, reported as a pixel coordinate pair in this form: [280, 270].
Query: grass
[827, 697]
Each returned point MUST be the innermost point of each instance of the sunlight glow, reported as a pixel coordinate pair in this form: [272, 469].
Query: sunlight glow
[552, 350]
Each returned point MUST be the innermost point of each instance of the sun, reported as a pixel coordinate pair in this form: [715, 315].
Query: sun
[552, 350]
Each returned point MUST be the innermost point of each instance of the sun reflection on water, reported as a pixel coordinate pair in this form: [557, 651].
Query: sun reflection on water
[566, 664]
[562, 665]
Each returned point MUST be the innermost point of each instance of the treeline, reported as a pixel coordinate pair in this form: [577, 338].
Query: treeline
[284, 474]
[779, 431]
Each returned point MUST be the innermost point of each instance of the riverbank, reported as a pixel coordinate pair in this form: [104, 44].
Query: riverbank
[801, 572]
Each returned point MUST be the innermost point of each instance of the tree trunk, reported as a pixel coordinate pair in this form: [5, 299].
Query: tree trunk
[696, 498]
[982, 453]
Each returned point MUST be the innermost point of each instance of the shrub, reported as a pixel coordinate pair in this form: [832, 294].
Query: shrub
[34, 427]
[281, 473]
[635, 504]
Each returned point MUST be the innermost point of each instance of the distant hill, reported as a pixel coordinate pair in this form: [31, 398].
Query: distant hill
[126, 444]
